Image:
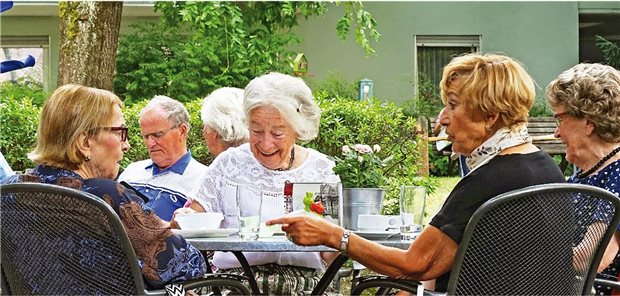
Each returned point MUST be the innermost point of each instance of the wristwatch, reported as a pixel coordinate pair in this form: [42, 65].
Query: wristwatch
[344, 242]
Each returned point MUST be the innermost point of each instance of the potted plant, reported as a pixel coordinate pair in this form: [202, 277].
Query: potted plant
[361, 172]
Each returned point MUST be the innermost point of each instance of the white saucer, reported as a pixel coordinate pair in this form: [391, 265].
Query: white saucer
[222, 232]
[378, 234]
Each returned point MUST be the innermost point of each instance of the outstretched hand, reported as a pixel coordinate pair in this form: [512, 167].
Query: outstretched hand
[310, 231]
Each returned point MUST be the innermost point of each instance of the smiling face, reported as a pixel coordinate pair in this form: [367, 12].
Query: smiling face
[271, 137]
[465, 132]
[108, 149]
[165, 142]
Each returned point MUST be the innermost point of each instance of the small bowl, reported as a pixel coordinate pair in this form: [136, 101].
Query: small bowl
[200, 220]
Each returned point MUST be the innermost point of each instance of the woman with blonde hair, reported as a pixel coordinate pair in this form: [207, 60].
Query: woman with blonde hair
[81, 140]
[487, 100]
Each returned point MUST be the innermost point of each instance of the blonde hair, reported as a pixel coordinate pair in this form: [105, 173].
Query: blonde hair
[69, 112]
[490, 84]
[591, 91]
[222, 112]
[291, 96]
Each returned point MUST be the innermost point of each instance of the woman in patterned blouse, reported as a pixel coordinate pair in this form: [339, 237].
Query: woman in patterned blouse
[586, 102]
[81, 140]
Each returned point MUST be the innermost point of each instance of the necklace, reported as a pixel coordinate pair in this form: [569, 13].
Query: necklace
[290, 162]
[599, 163]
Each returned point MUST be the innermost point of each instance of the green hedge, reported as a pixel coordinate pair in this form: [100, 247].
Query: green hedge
[343, 121]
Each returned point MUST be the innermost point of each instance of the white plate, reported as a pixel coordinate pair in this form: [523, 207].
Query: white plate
[223, 232]
[378, 234]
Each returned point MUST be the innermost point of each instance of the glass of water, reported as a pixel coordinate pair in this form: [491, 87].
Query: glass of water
[249, 202]
[412, 207]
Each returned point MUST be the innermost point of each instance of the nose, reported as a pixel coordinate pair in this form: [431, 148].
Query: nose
[125, 146]
[149, 141]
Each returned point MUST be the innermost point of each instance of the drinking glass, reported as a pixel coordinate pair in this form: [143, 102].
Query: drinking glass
[249, 202]
[412, 206]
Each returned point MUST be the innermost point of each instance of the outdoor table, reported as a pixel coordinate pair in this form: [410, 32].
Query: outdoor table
[277, 243]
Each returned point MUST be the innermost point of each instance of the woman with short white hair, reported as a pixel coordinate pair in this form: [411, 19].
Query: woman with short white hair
[224, 120]
[280, 110]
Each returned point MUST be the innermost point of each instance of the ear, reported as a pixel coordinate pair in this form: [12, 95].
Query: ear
[84, 144]
[589, 128]
[491, 120]
[183, 129]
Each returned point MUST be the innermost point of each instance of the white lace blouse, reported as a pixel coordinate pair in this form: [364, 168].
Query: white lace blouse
[239, 166]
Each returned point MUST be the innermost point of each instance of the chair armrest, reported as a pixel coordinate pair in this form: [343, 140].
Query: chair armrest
[214, 280]
[607, 283]
[385, 284]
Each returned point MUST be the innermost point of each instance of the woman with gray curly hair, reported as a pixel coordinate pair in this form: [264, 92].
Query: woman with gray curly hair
[586, 103]
[280, 110]
[224, 120]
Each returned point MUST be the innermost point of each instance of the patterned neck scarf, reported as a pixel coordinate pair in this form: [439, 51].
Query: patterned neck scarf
[502, 139]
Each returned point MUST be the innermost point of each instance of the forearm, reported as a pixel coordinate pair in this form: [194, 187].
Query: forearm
[430, 256]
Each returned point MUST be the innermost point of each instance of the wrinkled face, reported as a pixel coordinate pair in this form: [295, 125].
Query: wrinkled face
[573, 132]
[465, 133]
[108, 148]
[164, 141]
[271, 137]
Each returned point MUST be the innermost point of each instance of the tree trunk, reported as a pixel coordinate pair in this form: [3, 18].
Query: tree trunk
[88, 41]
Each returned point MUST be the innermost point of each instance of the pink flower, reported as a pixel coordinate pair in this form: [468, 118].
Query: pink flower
[361, 148]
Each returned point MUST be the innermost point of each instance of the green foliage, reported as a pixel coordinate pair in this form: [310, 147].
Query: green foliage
[350, 121]
[24, 87]
[200, 46]
[611, 51]
[426, 102]
[541, 108]
[360, 166]
[335, 85]
[343, 121]
[391, 201]
[19, 122]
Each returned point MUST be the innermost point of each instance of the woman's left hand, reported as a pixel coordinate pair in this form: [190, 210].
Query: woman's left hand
[310, 231]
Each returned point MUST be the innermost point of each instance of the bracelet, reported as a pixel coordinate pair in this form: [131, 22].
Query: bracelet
[344, 242]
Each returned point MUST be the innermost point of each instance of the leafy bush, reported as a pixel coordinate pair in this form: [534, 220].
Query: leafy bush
[24, 88]
[343, 121]
[200, 46]
[19, 122]
[335, 85]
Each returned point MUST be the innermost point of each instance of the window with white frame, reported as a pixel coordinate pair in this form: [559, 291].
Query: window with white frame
[19, 47]
[432, 53]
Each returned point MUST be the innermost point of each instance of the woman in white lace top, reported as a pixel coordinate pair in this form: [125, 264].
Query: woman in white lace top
[280, 110]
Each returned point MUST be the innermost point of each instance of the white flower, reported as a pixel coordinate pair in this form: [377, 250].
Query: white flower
[346, 150]
[360, 159]
[361, 148]
[376, 148]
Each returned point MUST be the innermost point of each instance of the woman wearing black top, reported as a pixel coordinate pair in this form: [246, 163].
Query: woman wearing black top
[487, 100]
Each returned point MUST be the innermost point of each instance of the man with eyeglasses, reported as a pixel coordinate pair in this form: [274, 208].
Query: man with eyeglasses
[166, 179]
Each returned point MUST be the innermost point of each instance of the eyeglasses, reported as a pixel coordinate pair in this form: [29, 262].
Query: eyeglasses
[558, 117]
[158, 135]
[123, 129]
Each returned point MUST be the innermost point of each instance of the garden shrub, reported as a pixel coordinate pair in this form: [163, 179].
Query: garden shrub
[346, 121]
[19, 122]
[343, 121]
[24, 87]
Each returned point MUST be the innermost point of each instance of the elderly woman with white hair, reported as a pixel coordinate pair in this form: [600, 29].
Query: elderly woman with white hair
[280, 111]
[223, 120]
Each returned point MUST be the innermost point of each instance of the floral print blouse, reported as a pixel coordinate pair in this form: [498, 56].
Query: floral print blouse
[608, 178]
[163, 257]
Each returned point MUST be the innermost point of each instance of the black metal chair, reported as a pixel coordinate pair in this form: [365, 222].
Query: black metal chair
[522, 243]
[62, 241]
